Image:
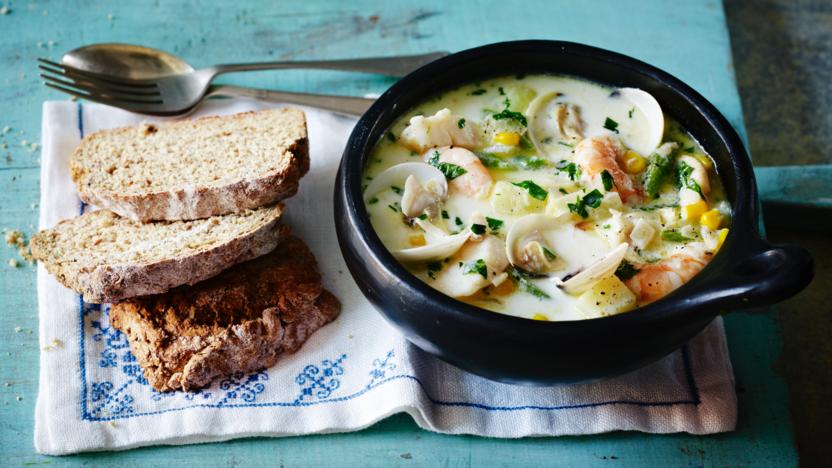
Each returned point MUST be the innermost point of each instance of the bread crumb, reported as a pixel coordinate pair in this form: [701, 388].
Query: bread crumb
[18, 398]
[39, 44]
[4, 10]
[112, 424]
[34, 146]
[18, 329]
[16, 238]
[54, 344]
[110, 17]
[6, 129]
[13, 263]
[24, 142]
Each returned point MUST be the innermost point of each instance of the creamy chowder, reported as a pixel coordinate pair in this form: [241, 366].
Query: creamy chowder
[546, 197]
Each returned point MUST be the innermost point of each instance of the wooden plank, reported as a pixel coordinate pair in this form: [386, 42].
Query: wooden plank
[796, 197]
[688, 39]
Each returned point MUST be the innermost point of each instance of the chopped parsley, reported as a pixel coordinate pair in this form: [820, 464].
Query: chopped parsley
[625, 270]
[563, 191]
[563, 143]
[493, 161]
[657, 207]
[674, 236]
[478, 92]
[500, 90]
[606, 179]
[394, 207]
[391, 137]
[684, 179]
[372, 201]
[451, 171]
[458, 221]
[592, 200]
[548, 253]
[510, 114]
[630, 112]
[478, 229]
[524, 282]
[433, 268]
[535, 191]
[460, 123]
[690, 149]
[477, 268]
[611, 125]
[445, 215]
[493, 224]
[423, 216]
[570, 168]
[398, 190]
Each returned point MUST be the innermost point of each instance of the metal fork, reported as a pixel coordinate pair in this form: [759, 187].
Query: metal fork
[182, 93]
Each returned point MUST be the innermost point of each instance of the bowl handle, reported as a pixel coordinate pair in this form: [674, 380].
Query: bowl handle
[758, 274]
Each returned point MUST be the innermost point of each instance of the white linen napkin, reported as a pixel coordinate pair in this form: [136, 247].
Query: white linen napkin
[350, 374]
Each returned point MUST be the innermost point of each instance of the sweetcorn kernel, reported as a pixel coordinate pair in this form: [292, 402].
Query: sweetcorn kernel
[695, 210]
[634, 162]
[711, 219]
[541, 317]
[417, 241]
[723, 233]
[507, 138]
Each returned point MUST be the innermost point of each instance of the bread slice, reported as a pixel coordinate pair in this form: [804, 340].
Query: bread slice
[194, 169]
[108, 258]
[239, 321]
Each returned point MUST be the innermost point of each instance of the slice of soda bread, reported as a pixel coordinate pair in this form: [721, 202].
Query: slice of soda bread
[193, 169]
[108, 258]
[239, 321]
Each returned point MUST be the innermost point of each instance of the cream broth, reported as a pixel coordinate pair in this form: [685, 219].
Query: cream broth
[546, 197]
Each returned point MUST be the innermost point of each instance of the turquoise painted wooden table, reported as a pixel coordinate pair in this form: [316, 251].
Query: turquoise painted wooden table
[688, 39]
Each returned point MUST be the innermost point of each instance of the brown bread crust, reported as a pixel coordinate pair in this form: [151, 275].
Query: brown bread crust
[199, 202]
[239, 321]
[117, 282]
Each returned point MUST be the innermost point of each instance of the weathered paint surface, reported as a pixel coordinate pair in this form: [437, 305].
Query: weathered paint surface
[688, 39]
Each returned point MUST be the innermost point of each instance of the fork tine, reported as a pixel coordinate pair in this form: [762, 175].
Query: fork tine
[103, 92]
[70, 70]
[115, 97]
[93, 83]
[150, 109]
[80, 95]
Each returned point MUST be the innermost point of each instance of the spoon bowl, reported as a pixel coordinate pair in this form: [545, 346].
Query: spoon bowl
[126, 61]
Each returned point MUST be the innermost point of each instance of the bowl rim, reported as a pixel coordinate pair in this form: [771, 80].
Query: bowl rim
[743, 223]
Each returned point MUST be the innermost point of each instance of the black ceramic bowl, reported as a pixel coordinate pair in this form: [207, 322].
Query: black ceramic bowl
[748, 272]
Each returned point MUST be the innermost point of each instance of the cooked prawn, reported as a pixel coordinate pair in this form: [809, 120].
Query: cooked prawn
[656, 280]
[598, 154]
[475, 182]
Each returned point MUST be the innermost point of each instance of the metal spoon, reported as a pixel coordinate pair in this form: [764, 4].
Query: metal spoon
[143, 63]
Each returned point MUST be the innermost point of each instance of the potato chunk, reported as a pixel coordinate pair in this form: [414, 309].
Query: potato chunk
[608, 297]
